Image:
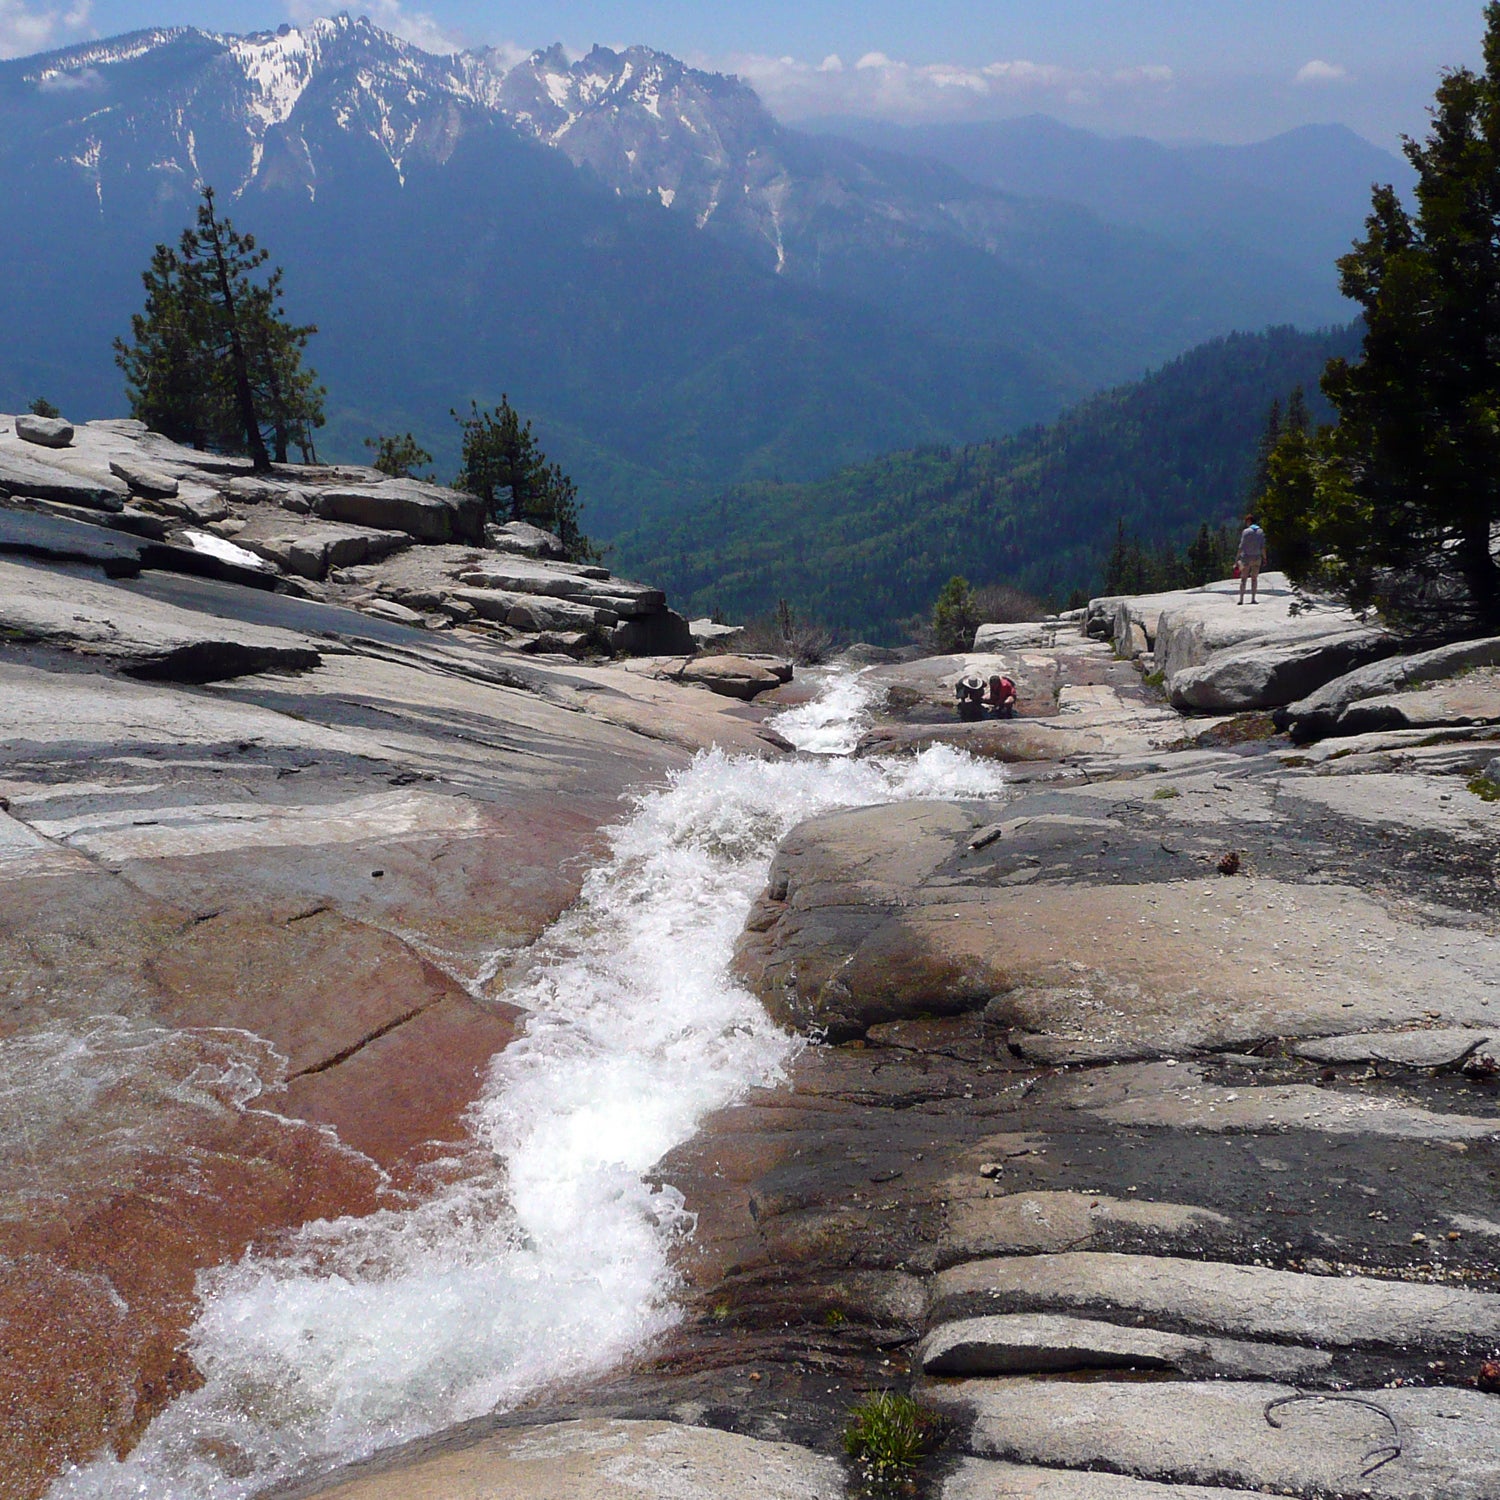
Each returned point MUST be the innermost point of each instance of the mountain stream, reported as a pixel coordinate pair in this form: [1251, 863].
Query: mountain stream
[549, 1261]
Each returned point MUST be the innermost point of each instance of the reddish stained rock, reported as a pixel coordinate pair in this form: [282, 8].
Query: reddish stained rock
[105, 1233]
[459, 899]
[316, 987]
[411, 1085]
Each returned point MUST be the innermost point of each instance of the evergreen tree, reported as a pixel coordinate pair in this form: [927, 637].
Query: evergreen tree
[504, 465]
[398, 456]
[955, 617]
[1267, 446]
[170, 367]
[288, 399]
[42, 407]
[213, 361]
[1399, 501]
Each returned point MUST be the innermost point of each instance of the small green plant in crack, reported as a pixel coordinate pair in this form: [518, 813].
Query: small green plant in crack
[720, 1313]
[1165, 794]
[835, 1317]
[887, 1436]
[1486, 788]
[1155, 679]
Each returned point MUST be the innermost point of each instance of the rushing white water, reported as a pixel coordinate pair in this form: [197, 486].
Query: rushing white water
[555, 1262]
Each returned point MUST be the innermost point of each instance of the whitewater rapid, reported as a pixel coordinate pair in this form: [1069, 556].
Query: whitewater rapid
[551, 1262]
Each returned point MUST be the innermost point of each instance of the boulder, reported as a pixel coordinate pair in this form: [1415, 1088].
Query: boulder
[46, 432]
[864, 654]
[1189, 628]
[428, 512]
[708, 632]
[143, 479]
[397, 614]
[1381, 695]
[737, 676]
[1022, 1343]
[1256, 1302]
[581, 582]
[313, 550]
[1272, 676]
[531, 612]
[524, 539]
[662, 633]
[603, 1460]
[251, 489]
[25, 477]
[194, 502]
[1020, 637]
[1098, 620]
[538, 613]
[574, 643]
[1391, 1444]
[144, 637]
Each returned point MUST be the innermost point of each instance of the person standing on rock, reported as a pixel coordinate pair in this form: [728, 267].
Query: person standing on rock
[1250, 558]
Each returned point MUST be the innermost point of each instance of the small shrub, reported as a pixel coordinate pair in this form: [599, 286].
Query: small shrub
[1165, 793]
[834, 1318]
[887, 1436]
[955, 617]
[1003, 604]
[42, 407]
[784, 633]
[399, 456]
[1155, 679]
[1486, 788]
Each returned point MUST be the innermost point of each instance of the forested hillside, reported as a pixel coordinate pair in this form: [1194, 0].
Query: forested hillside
[870, 545]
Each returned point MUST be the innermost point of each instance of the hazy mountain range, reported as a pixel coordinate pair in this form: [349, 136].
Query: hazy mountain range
[684, 292]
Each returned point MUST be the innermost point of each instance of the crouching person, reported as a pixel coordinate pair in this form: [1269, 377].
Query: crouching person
[970, 695]
[1001, 697]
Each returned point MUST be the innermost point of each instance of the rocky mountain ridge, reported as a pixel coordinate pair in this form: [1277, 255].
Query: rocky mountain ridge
[919, 306]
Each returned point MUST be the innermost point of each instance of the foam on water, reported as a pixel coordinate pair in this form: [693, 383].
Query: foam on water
[554, 1262]
[831, 723]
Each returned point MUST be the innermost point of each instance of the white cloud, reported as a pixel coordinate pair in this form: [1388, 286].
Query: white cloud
[1318, 71]
[70, 83]
[883, 86]
[30, 28]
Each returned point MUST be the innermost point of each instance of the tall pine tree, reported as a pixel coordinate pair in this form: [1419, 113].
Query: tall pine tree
[1400, 501]
[214, 360]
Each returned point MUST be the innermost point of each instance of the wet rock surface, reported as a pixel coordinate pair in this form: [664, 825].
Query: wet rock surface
[267, 865]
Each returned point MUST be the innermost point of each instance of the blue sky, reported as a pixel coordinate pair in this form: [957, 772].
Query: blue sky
[1212, 69]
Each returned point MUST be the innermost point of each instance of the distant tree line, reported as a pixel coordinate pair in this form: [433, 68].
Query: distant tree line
[867, 549]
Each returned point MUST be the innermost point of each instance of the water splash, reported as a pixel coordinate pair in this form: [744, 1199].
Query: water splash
[553, 1262]
[831, 723]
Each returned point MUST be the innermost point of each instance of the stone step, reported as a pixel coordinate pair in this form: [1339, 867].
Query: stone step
[606, 1460]
[1441, 1444]
[1249, 1301]
[1023, 1343]
[1063, 1220]
[989, 1479]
